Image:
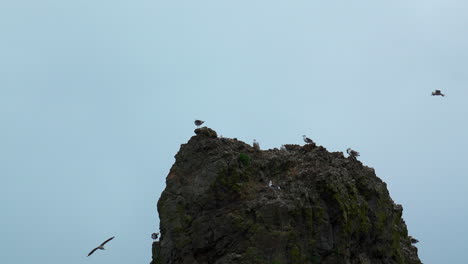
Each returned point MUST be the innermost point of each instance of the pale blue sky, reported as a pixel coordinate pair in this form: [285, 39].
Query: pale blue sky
[97, 96]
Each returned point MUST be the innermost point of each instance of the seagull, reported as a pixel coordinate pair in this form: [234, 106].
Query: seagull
[307, 140]
[352, 153]
[100, 246]
[255, 145]
[413, 240]
[271, 185]
[199, 122]
[437, 92]
[154, 236]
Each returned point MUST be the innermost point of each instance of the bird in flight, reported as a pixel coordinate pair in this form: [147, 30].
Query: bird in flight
[437, 92]
[199, 122]
[100, 246]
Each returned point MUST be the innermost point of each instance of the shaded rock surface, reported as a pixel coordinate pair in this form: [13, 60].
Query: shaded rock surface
[217, 208]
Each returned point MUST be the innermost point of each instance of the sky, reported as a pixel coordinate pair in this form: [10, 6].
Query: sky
[96, 97]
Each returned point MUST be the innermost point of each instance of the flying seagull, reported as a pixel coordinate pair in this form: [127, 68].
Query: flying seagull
[199, 122]
[100, 246]
[307, 140]
[437, 92]
[352, 153]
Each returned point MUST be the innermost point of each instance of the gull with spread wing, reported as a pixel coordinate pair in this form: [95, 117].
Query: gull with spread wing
[100, 246]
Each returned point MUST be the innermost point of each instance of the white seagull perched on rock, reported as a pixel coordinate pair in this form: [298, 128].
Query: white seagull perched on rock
[437, 92]
[199, 122]
[271, 185]
[307, 140]
[100, 246]
[352, 153]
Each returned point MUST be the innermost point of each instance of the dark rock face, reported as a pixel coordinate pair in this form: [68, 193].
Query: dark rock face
[217, 208]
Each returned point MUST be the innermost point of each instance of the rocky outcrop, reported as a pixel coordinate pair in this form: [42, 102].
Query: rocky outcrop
[217, 208]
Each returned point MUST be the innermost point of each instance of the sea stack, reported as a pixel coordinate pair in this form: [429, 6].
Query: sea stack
[217, 208]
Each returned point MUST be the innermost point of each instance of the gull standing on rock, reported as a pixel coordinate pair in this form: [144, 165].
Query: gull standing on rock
[352, 153]
[256, 145]
[199, 122]
[307, 140]
[101, 247]
[413, 240]
[271, 185]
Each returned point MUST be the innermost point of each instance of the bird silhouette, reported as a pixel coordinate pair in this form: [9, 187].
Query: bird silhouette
[307, 140]
[100, 246]
[199, 122]
[352, 153]
[437, 92]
